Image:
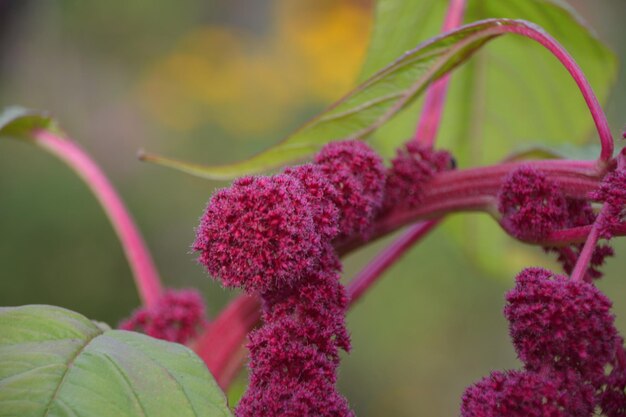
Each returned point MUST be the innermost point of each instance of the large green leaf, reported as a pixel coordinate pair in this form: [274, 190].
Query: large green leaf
[54, 362]
[371, 104]
[511, 93]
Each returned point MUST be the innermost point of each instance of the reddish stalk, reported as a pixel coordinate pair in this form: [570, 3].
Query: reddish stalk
[476, 189]
[582, 264]
[430, 119]
[599, 118]
[580, 269]
[135, 249]
[219, 344]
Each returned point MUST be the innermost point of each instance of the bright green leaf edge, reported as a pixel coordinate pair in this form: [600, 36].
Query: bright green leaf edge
[57, 363]
[367, 107]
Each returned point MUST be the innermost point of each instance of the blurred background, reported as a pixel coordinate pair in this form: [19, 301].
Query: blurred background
[213, 82]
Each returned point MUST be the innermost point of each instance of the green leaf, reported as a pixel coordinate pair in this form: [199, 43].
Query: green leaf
[509, 95]
[564, 151]
[367, 107]
[54, 362]
[18, 122]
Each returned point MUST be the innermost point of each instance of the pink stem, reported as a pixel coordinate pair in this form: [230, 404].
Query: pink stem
[582, 264]
[580, 269]
[225, 336]
[430, 118]
[599, 118]
[141, 263]
[391, 254]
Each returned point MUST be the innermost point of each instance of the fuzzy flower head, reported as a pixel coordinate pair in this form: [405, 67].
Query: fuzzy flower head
[358, 174]
[560, 323]
[259, 233]
[411, 168]
[531, 204]
[612, 192]
[177, 317]
[322, 195]
[528, 394]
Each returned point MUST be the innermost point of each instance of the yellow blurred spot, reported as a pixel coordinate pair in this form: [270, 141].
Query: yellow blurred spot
[245, 85]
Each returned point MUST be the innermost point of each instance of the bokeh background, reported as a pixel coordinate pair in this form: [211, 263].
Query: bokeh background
[213, 82]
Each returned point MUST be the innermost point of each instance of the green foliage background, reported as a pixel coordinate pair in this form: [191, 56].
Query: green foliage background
[430, 328]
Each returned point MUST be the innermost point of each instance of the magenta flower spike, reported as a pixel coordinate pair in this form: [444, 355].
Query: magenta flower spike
[144, 270]
[561, 323]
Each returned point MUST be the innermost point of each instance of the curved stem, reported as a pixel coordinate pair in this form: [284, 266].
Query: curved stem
[599, 118]
[430, 118]
[219, 344]
[135, 249]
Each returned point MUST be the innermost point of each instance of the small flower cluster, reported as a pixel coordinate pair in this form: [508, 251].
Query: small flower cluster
[564, 333]
[533, 206]
[411, 168]
[273, 236]
[178, 316]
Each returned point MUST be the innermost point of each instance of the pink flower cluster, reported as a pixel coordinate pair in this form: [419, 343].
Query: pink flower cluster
[563, 331]
[259, 233]
[177, 317]
[358, 175]
[562, 323]
[273, 236]
[532, 206]
[411, 168]
[528, 394]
